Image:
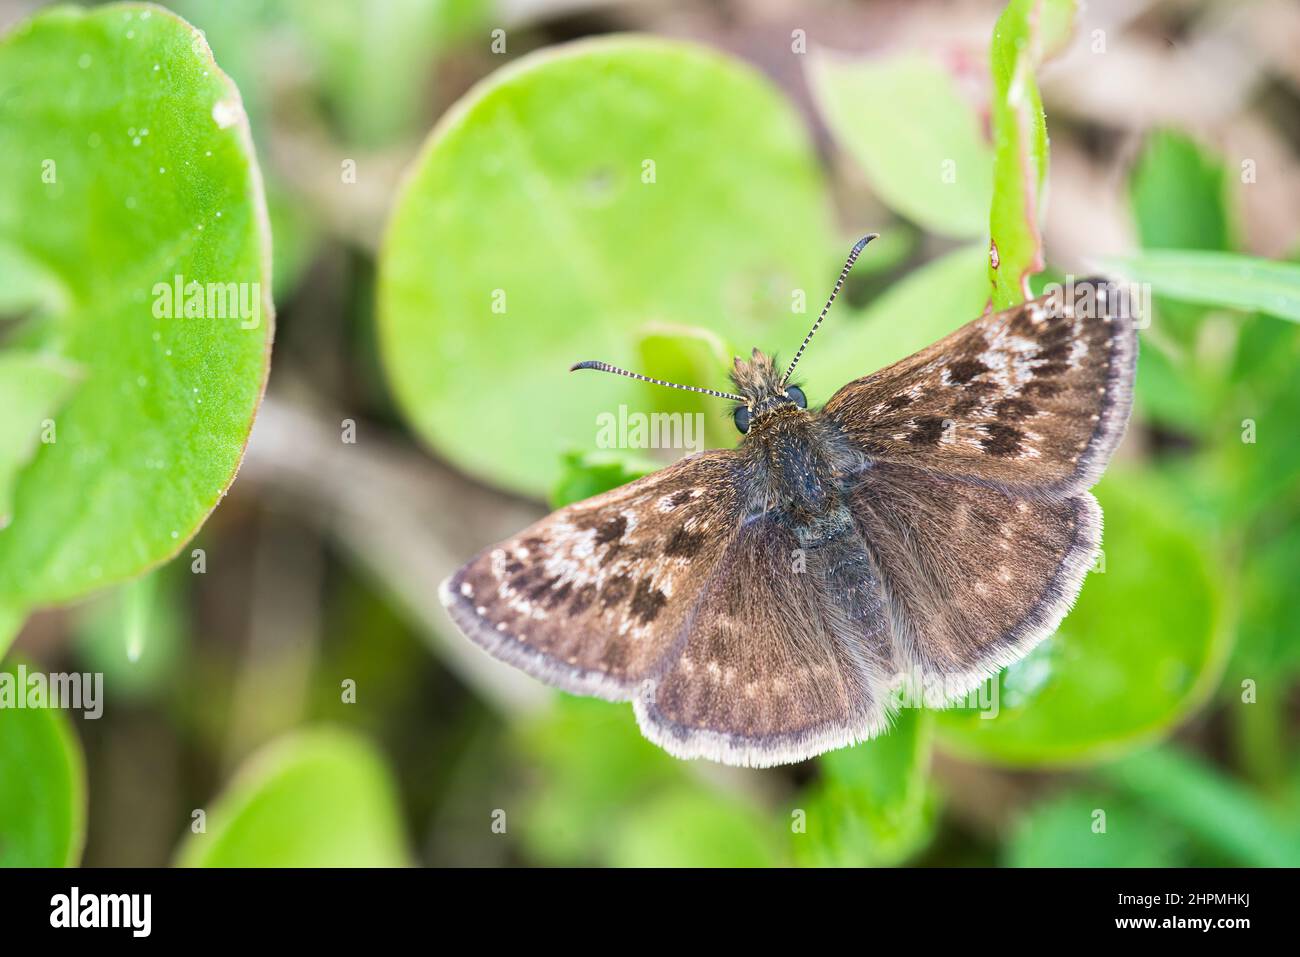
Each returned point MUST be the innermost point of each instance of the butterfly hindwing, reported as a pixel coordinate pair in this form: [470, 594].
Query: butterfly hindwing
[590, 598]
[787, 654]
[1035, 396]
[974, 577]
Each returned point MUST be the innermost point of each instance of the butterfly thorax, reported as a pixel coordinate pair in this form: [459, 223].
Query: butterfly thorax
[793, 457]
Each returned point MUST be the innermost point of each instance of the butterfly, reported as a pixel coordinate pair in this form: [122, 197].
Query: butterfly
[757, 605]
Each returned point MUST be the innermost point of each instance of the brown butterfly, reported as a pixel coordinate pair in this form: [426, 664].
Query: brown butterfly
[756, 605]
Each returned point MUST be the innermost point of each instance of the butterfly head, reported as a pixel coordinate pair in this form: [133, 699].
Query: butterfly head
[763, 392]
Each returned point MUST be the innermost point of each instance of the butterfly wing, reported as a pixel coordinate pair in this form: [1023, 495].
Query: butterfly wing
[1035, 397]
[787, 655]
[974, 576]
[732, 642]
[590, 598]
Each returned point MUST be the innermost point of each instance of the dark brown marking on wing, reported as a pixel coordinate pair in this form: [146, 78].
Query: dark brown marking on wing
[684, 543]
[1014, 409]
[610, 530]
[647, 601]
[1001, 440]
[963, 370]
[927, 431]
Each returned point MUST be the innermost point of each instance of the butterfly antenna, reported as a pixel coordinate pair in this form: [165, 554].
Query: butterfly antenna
[606, 367]
[848, 264]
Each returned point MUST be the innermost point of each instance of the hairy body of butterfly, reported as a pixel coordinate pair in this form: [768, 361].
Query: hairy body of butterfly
[758, 605]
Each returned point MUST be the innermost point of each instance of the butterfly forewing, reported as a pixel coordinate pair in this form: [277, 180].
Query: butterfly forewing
[591, 597]
[1031, 398]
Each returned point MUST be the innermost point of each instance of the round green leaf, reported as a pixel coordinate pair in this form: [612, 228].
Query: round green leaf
[578, 199]
[1143, 646]
[938, 173]
[133, 168]
[322, 798]
[42, 783]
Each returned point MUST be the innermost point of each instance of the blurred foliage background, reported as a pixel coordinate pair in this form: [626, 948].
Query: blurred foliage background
[297, 695]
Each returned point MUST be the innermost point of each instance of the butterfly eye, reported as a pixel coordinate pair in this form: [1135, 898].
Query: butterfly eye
[742, 419]
[794, 393]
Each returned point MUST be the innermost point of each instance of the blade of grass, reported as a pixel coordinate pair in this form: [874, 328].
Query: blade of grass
[1215, 279]
[1220, 813]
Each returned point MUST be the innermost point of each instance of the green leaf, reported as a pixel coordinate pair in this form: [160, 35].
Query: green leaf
[1269, 596]
[11, 622]
[1178, 198]
[320, 798]
[692, 828]
[1027, 33]
[1177, 192]
[133, 634]
[1143, 646]
[1066, 831]
[593, 765]
[1216, 279]
[134, 168]
[874, 805]
[589, 473]
[1220, 813]
[42, 783]
[937, 172]
[32, 389]
[375, 60]
[687, 355]
[589, 193]
[926, 305]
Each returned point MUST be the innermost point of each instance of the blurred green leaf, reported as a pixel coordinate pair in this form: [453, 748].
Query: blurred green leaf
[1178, 198]
[594, 766]
[375, 59]
[926, 305]
[693, 828]
[134, 634]
[370, 65]
[873, 805]
[588, 193]
[1027, 33]
[1217, 811]
[319, 798]
[937, 172]
[688, 355]
[1219, 279]
[42, 783]
[32, 389]
[1178, 195]
[1065, 831]
[132, 169]
[1143, 646]
[589, 473]
[1270, 603]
